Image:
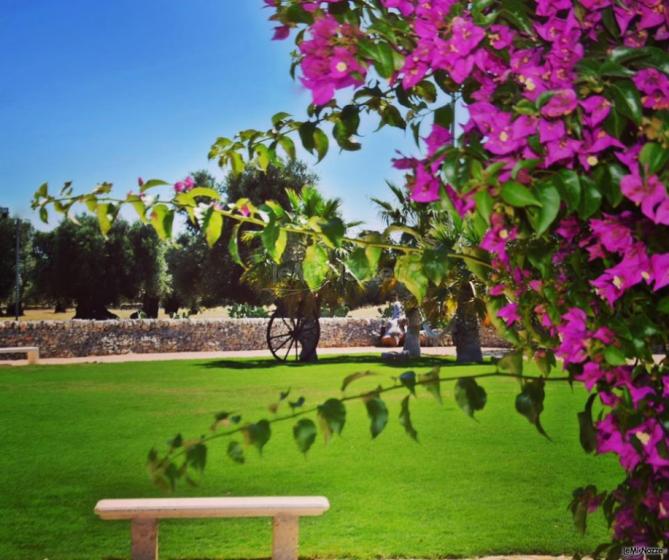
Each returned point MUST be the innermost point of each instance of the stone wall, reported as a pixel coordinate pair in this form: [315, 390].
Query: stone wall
[62, 339]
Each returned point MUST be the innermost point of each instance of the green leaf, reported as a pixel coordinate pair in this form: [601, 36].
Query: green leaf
[663, 305]
[484, 203]
[161, 220]
[105, 217]
[279, 118]
[408, 380]
[518, 195]
[196, 456]
[236, 452]
[542, 218]
[139, 206]
[568, 184]
[384, 61]
[358, 265]
[469, 395]
[511, 362]
[391, 115]
[257, 434]
[409, 271]
[591, 199]
[274, 240]
[354, 377]
[334, 231]
[614, 356]
[207, 192]
[288, 146]
[233, 246]
[321, 143]
[587, 433]
[626, 99]
[152, 183]
[262, 156]
[213, 226]
[405, 419]
[654, 157]
[331, 417]
[236, 163]
[432, 383]
[315, 266]
[530, 403]
[304, 433]
[306, 132]
[443, 116]
[378, 415]
[435, 265]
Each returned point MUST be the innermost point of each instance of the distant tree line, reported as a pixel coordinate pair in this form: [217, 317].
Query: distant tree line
[75, 266]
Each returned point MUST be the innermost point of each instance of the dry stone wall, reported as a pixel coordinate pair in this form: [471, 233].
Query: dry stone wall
[63, 339]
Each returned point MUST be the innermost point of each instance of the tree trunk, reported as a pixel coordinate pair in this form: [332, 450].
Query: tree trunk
[412, 337]
[150, 306]
[466, 335]
[98, 312]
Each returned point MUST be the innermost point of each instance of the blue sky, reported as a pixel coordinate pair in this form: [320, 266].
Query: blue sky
[109, 91]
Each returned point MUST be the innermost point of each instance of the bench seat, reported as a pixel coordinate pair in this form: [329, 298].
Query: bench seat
[145, 513]
[32, 352]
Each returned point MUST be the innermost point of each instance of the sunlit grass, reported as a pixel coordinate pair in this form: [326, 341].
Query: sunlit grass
[74, 434]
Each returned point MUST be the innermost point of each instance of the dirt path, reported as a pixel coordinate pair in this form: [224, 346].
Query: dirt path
[434, 351]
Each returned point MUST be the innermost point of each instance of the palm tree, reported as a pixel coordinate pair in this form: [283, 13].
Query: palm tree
[437, 226]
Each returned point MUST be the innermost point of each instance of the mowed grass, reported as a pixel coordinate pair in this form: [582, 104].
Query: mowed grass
[74, 434]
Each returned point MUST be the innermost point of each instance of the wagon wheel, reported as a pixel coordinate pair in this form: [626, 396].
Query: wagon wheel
[292, 338]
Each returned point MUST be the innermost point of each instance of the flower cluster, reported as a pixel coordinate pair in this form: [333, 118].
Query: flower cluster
[568, 103]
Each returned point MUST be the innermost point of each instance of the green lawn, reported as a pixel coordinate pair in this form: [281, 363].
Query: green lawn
[74, 434]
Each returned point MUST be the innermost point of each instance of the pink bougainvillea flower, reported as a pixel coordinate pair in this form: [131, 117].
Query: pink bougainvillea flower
[630, 271]
[612, 234]
[496, 290]
[569, 228]
[186, 185]
[500, 36]
[281, 32]
[562, 103]
[438, 138]
[660, 270]
[650, 194]
[551, 130]
[497, 237]
[597, 108]
[425, 187]
[610, 440]
[573, 335]
[562, 150]
[509, 314]
[466, 35]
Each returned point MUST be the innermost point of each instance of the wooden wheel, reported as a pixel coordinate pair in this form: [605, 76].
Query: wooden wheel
[292, 338]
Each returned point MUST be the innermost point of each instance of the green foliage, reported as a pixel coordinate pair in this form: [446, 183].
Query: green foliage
[332, 417]
[530, 403]
[378, 414]
[470, 396]
[304, 433]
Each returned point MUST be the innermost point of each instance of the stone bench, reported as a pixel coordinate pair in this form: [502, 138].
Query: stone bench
[31, 351]
[145, 513]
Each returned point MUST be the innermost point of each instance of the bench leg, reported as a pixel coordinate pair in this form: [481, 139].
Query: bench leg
[33, 357]
[144, 539]
[285, 538]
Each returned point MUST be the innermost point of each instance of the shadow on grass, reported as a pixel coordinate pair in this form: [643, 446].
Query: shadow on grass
[363, 359]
